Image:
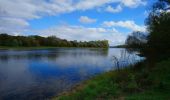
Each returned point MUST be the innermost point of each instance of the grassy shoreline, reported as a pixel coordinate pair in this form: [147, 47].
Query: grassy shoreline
[139, 82]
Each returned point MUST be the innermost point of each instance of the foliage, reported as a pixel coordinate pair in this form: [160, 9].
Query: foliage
[157, 42]
[136, 83]
[158, 24]
[144, 81]
[136, 40]
[51, 41]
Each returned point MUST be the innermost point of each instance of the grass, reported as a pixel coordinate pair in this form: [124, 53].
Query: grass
[140, 82]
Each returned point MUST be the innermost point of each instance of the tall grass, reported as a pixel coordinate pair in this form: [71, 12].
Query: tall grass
[138, 82]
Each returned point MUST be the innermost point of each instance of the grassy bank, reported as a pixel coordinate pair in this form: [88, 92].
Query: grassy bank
[140, 82]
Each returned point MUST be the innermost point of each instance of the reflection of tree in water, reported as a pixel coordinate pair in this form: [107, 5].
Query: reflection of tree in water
[51, 54]
[125, 58]
[4, 58]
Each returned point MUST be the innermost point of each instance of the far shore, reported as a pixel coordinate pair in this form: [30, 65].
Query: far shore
[41, 47]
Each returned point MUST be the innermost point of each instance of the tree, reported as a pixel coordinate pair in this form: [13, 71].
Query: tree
[35, 40]
[136, 40]
[158, 24]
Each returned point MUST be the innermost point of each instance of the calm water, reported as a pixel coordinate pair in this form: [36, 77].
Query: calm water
[40, 74]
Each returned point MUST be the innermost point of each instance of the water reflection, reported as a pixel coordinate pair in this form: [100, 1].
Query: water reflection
[126, 58]
[40, 74]
[50, 54]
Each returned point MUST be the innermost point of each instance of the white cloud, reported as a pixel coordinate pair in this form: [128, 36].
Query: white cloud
[168, 11]
[114, 10]
[16, 14]
[81, 33]
[32, 9]
[129, 24]
[126, 3]
[89, 4]
[133, 3]
[12, 22]
[12, 25]
[87, 20]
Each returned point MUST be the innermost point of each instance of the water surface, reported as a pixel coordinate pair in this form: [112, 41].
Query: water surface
[40, 74]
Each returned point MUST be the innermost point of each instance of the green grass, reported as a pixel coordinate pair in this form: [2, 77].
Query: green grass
[140, 82]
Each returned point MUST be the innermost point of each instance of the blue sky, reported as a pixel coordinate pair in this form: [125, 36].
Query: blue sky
[82, 20]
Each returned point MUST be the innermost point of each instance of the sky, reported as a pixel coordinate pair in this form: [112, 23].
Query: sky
[82, 20]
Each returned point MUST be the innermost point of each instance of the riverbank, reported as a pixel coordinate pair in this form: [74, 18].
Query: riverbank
[139, 82]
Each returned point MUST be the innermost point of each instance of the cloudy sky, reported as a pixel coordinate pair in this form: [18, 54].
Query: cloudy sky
[74, 19]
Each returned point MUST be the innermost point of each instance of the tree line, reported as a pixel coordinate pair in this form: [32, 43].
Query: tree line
[51, 41]
[157, 38]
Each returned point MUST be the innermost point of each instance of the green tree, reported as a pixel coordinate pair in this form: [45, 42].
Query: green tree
[136, 40]
[35, 40]
[158, 24]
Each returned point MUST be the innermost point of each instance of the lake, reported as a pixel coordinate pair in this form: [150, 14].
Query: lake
[41, 74]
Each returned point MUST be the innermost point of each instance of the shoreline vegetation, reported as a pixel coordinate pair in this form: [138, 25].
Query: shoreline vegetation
[41, 47]
[24, 48]
[138, 82]
[147, 80]
[50, 41]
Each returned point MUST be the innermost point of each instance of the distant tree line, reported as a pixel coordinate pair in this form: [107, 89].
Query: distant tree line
[52, 41]
[157, 38]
